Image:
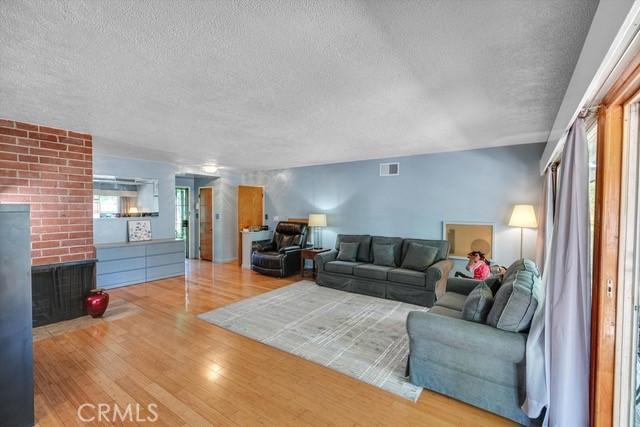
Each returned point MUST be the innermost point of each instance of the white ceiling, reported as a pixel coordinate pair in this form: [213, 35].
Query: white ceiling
[270, 84]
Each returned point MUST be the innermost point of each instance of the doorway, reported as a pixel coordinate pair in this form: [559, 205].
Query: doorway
[206, 223]
[182, 217]
[250, 211]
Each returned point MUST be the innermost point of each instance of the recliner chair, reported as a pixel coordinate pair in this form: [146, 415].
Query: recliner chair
[280, 256]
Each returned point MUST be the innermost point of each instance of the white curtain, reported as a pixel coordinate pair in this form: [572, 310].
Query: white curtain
[545, 219]
[559, 340]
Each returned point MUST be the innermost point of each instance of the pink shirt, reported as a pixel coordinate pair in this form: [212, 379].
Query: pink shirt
[480, 270]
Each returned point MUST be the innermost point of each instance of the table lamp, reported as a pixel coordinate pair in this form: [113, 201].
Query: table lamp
[523, 216]
[316, 222]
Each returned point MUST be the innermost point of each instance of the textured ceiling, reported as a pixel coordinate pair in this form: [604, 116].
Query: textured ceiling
[269, 84]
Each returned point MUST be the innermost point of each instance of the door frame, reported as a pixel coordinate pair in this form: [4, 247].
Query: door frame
[213, 222]
[190, 219]
[239, 245]
[612, 144]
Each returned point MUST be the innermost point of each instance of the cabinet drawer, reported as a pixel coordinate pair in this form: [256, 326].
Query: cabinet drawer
[121, 252]
[165, 248]
[114, 266]
[120, 278]
[154, 273]
[164, 259]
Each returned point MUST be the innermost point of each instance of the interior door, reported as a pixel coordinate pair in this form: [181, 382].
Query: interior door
[250, 211]
[206, 223]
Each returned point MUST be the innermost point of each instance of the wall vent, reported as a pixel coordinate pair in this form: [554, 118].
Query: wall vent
[389, 169]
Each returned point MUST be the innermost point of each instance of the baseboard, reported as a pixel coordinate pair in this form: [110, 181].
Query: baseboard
[225, 260]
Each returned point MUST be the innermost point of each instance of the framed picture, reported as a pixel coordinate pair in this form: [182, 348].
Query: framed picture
[139, 230]
[464, 237]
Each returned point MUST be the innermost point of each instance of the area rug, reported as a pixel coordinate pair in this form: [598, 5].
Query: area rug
[360, 336]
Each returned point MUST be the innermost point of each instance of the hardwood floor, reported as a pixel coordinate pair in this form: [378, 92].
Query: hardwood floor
[198, 374]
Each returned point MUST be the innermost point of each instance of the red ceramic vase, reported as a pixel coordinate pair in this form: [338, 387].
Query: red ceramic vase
[96, 302]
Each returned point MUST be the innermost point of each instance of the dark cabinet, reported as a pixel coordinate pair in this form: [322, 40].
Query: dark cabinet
[16, 343]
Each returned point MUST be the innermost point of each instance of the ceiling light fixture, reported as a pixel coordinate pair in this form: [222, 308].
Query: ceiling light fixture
[210, 168]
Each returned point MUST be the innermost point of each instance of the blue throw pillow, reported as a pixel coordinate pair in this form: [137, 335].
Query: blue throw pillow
[383, 254]
[419, 257]
[348, 252]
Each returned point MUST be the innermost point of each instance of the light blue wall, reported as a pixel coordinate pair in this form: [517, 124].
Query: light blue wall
[475, 185]
[107, 230]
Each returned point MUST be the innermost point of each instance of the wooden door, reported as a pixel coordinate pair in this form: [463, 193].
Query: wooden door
[206, 223]
[250, 211]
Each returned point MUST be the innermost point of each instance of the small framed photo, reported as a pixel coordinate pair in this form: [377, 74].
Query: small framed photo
[138, 231]
[465, 237]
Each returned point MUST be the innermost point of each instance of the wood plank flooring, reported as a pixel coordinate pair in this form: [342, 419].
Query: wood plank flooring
[198, 374]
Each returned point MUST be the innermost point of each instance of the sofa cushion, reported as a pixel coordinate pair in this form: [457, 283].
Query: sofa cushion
[515, 302]
[342, 267]
[397, 247]
[478, 303]
[407, 277]
[444, 311]
[383, 254]
[452, 300]
[363, 249]
[348, 252]
[271, 260]
[520, 265]
[441, 245]
[372, 271]
[419, 257]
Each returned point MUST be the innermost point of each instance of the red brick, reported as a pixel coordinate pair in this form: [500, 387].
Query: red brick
[26, 126]
[29, 190]
[13, 165]
[13, 181]
[46, 129]
[71, 155]
[53, 146]
[45, 260]
[77, 149]
[79, 135]
[76, 242]
[12, 198]
[42, 183]
[80, 249]
[7, 123]
[13, 140]
[72, 141]
[43, 168]
[26, 142]
[88, 143]
[8, 173]
[45, 229]
[36, 254]
[13, 132]
[81, 178]
[55, 221]
[79, 164]
[44, 198]
[27, 158]
[44, 136]
[12, 157]
[12, 148]
[55, 236]
[43, 152]
[44, 214]
[54, 176]
[55, 251]
[53, 161]
[41, 245]
[80, 235]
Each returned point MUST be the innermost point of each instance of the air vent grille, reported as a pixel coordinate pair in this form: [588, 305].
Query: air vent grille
[389, 169]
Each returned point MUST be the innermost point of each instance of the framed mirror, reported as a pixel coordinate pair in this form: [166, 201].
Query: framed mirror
[116, 197]
[464, 237]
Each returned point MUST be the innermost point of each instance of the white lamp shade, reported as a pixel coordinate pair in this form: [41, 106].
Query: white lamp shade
[317, 220]
[523, 216]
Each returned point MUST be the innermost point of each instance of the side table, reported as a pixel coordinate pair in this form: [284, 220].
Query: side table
[310, 253]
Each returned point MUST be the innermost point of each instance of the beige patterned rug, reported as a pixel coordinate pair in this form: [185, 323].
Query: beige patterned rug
[358, 335]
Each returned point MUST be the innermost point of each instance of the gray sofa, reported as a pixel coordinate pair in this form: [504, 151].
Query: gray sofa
[474, 361]
[364, 277]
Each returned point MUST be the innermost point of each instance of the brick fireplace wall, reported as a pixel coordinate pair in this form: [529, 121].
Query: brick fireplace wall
[50, 169]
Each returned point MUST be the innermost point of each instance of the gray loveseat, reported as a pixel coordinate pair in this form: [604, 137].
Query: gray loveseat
[477, 362]
[390, 282]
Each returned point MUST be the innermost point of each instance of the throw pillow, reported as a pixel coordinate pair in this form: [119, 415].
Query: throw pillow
[516, 302]
[348, 252]
[383, 255]
[478, 303]
[419, 257]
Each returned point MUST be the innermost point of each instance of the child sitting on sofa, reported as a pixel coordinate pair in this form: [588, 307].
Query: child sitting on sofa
[478, 265]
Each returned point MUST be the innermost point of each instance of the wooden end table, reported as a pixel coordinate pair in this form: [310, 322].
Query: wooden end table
[310, 253]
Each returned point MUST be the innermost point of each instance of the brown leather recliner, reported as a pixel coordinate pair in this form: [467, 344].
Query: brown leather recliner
[280, 256]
